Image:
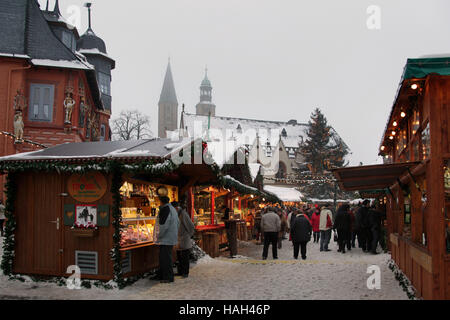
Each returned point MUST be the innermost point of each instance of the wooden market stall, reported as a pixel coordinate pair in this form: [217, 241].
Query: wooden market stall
[416, 176]
[208, 208]
[66, 206]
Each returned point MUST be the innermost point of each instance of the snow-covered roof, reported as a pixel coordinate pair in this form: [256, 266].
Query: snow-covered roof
[94, 51]
[284, 193]
[14, 55]
[74, 64]
[158, 148]
[246, 130]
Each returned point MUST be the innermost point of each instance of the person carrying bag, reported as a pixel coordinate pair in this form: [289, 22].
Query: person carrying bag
[185, 233]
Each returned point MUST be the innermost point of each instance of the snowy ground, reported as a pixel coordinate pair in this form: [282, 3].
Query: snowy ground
[324, 275]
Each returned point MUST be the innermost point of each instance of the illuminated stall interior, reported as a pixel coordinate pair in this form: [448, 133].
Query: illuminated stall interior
[140, 207]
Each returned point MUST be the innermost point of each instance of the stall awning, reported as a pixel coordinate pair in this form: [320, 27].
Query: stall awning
[371, 177]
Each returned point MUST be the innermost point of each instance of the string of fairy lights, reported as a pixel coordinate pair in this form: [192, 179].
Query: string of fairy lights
[13, 137]
[293, 180]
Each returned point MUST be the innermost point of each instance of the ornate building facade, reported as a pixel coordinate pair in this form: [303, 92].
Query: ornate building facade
[55, 85]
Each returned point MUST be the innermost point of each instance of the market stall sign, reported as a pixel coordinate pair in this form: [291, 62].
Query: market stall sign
[88, 187]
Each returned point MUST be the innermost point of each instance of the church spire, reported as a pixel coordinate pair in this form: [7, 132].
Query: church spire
[168, 94]
[167, 106]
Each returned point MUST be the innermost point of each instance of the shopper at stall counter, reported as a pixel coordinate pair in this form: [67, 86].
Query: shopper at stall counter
[167, 238]
[185, 233]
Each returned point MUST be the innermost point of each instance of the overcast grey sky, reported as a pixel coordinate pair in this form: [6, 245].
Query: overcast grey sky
[272, 60]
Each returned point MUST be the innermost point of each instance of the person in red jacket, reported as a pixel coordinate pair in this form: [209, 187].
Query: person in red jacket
[315, 221]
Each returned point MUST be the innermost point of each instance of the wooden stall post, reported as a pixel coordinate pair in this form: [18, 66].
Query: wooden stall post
[416, 214]
[191, 203]
[212, 206]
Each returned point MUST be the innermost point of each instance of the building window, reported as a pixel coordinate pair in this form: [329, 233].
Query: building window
[104, 83]
[41, 102]
[268, 149]
[291, 153]
[102, 132]
[69, 40]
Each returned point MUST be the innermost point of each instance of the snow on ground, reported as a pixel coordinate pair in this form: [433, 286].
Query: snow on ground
[324, 275]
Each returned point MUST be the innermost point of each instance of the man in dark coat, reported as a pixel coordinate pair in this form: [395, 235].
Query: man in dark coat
[301, 233]
[375, 217]
[343, 225]
[362, 221]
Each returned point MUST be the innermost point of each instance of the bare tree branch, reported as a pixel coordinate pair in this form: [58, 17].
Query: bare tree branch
[131, 125]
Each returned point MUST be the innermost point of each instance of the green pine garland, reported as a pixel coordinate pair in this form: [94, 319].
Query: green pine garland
[104, 166]
[402, 280]
[117, 182]
[10, 227]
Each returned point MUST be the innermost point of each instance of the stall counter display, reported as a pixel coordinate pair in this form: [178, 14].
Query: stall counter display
[140, 208]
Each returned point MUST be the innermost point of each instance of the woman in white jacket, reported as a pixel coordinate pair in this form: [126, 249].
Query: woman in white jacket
[325, 226]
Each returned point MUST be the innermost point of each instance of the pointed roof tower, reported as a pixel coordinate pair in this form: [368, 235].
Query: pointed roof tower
[56, 10]
[168, 94]
[205, 107]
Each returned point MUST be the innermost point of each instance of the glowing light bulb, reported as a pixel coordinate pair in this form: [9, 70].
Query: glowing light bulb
[393, 133]
[382, 148]
[402, 114]
[395, 123]
[391, 138]
[414, 86]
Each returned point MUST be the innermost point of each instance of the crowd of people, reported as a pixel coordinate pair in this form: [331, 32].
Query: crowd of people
[363, 223]
[272, 225]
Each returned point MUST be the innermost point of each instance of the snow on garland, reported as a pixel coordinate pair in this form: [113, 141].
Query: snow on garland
[10, 225]
[403, 281]
[230, 182]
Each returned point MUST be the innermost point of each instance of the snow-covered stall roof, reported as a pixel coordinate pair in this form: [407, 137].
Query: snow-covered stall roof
[157, 148]
[286, 194]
